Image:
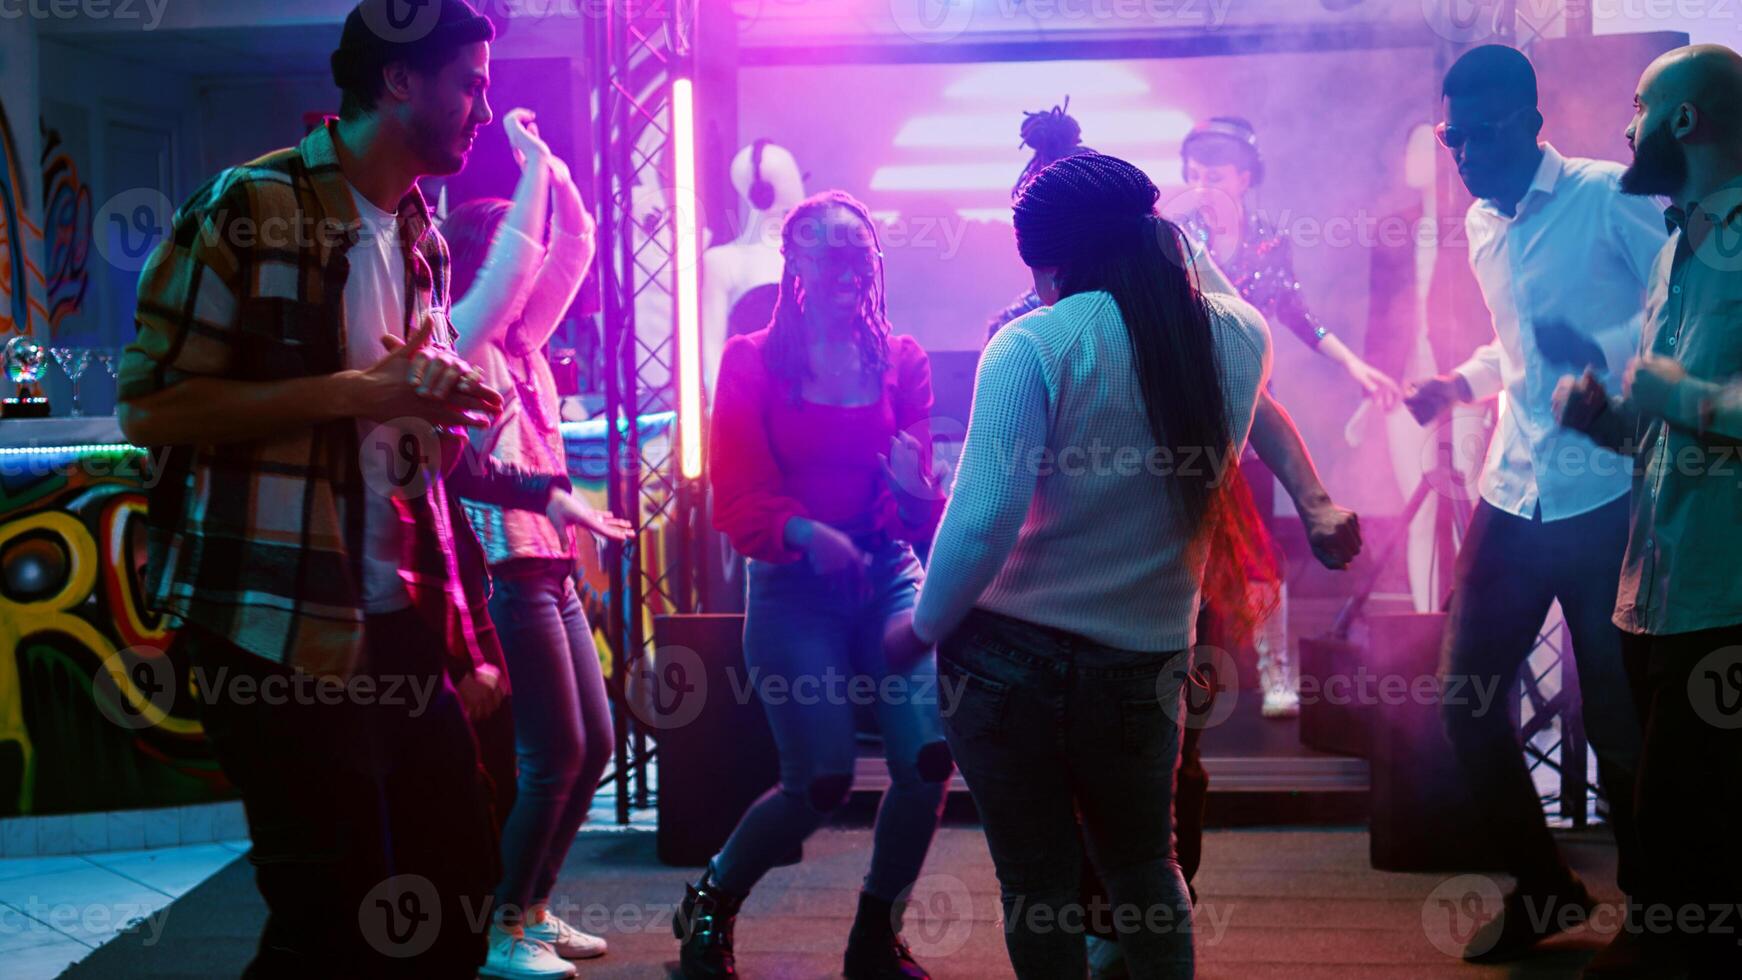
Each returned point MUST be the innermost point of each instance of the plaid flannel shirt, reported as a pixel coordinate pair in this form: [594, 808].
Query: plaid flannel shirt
[261, 542]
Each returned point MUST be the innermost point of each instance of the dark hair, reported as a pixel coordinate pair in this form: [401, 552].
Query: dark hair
[373, 39]
[1053, 135]
[470, 229]
[1093, 218]
[786, 355]
[1493, 69]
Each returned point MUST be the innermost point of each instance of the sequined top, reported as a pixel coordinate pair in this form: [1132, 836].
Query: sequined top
[1263, 271]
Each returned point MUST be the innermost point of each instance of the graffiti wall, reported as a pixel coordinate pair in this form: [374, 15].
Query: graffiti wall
[21, 279]
[93, 713]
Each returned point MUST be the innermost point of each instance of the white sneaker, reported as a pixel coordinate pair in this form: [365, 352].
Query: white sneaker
[516, 956]
[568, 942]
[1281, 702]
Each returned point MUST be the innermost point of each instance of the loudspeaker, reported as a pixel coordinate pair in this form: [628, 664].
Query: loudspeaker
[1333, 717]
[716, 754]
[1422, 816]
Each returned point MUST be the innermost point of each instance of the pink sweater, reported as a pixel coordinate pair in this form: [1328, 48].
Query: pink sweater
[774, 457]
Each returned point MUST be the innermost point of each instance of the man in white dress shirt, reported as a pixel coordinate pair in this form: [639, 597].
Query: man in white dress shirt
[1562, 257]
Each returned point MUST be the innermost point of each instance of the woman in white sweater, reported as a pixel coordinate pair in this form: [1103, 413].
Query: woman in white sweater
[1065, 579]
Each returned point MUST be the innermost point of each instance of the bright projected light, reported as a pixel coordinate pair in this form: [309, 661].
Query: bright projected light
[992, 130]
[688, 257]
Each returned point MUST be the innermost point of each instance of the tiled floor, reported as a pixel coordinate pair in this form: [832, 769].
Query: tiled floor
[56, 910]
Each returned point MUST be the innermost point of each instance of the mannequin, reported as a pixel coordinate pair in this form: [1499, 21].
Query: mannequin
[741, 278]
[1402, 306]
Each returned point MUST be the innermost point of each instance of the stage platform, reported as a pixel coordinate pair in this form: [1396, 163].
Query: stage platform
[1273, 904]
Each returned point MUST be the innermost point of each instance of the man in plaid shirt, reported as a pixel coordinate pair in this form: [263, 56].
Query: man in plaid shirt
[293, 347]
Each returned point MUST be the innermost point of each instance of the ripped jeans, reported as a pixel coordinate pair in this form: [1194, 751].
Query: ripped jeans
[813, 654]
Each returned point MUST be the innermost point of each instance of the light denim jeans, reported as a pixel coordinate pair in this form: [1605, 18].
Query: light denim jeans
[813, 653]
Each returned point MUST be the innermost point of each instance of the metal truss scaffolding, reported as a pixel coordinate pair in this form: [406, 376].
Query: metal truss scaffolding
[634, 49]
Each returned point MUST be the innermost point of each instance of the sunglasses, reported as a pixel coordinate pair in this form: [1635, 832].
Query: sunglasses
[860, 261]
[1453, 137]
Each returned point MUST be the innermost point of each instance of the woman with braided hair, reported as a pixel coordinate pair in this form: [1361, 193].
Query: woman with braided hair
[822, 477]
[1052, 134]
[1066, 576]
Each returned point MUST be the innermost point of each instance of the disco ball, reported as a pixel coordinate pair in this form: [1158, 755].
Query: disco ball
[25, 360]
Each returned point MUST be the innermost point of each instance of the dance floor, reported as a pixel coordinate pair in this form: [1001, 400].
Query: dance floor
[1274, 903]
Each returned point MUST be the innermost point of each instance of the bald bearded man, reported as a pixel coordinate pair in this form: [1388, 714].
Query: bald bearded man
[1680, 597]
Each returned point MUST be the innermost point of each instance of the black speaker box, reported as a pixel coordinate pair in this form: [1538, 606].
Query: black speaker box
[1422, 816]
[714, 764]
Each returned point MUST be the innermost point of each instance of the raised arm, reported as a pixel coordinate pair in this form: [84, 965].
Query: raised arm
[565, 265]
[498, 296]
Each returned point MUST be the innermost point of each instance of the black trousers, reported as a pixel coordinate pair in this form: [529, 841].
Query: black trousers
[1689, 791]
[373, 843]
[1510, 571]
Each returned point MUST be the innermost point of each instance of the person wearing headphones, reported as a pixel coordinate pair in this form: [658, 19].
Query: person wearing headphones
[1222, 167]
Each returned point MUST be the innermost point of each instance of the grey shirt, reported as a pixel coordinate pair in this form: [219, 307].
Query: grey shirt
[1680, 574]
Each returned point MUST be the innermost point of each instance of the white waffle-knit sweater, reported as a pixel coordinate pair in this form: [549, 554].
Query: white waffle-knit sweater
[1060, 514]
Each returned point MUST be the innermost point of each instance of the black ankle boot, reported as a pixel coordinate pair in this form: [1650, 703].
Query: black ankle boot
[874, 947]
[703, 926]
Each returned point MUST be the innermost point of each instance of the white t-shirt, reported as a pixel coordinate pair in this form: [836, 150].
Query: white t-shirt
[374, 308]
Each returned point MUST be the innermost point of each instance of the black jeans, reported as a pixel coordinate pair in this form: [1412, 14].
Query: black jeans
[1046, 727]
[1689, 795]
[1510, 571]
[372, 839]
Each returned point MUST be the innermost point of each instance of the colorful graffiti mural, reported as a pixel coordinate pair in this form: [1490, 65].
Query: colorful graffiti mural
[66, 221]
[94, 712]
[21, 280]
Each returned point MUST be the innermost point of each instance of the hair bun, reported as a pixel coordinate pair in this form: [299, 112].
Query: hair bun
[1050, 132]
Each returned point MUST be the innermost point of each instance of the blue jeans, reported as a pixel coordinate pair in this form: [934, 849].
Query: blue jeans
[1049, 728]
[563, 734]
[813, 652]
